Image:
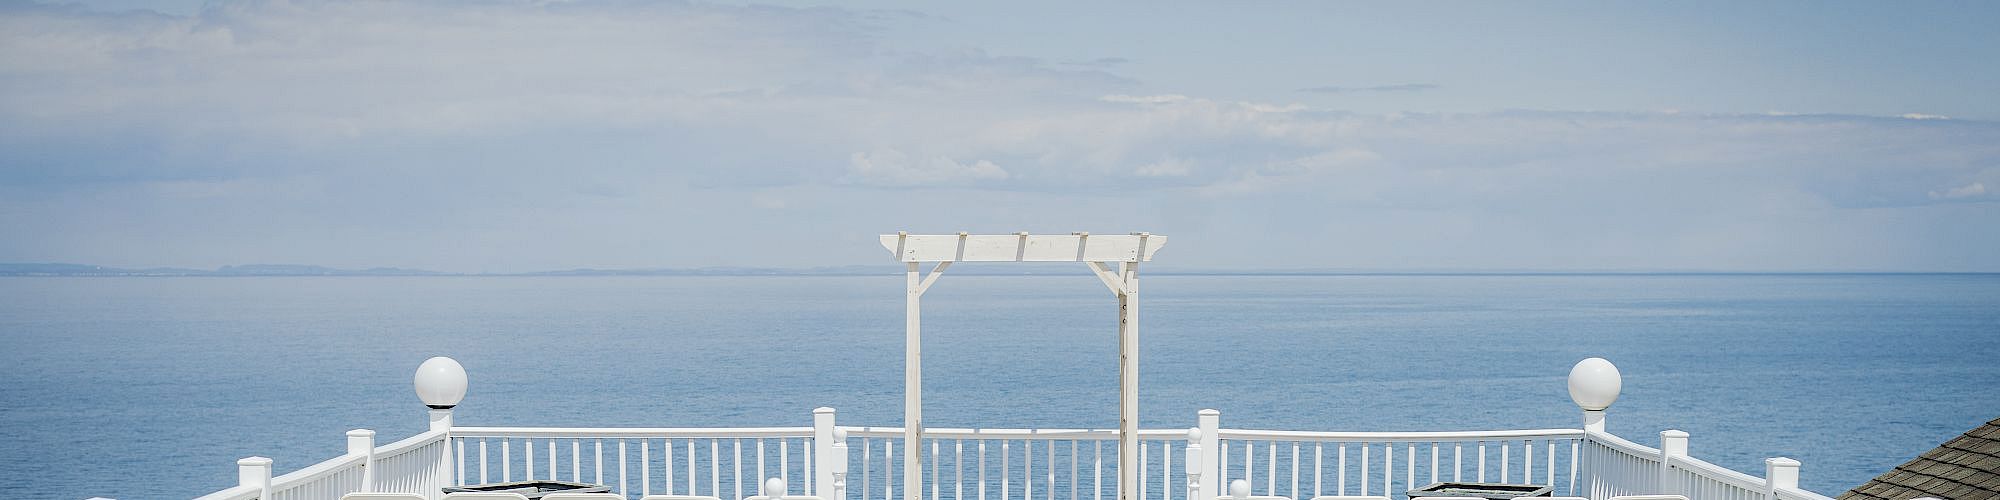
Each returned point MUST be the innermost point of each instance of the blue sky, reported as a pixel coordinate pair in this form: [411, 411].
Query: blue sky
[517, 135]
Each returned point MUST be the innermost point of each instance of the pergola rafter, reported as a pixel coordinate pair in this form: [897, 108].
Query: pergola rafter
[1096, 252]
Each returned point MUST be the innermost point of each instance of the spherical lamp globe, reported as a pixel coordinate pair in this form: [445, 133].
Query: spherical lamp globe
[1594, 384]
[440, 382]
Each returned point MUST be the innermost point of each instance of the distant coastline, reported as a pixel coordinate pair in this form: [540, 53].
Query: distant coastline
[1032, 269]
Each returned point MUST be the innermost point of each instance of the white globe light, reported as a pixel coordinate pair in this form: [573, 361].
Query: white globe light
[774, 488]
[1594, 384]
[440, 382]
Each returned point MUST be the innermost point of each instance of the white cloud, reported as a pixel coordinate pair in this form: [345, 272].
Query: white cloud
[891, 167]
[542, 129]
[1144, 99]
[1961, 192]
[1921, 116]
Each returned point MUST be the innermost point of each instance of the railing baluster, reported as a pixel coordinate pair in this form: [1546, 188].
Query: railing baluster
[1364, 469]
[1028, 470]
[958, 469]
[506, 460]
[1572, 465]
[694, 481]
[1340, 472]
[576, 460]
[1482, 461]
[621, 467]
[736, 465]
[934, 470]
[867, 449]
[714, 467]
[667, 466]
[1388, 467]
[1248, 465]
[1295, 469]
[1552, 463]
[482, 461]
[1271, 468]
[645, 467]
[597, 464]
[981, 485]
[785, 465]
[1410, 465]
[1051, 465]
[528, 458]
[1072, 469]
[889, 470]
[1097, 471]
[1457, 459]
[1434, 461]
[762, 471]
[1005, 487]
[1319, 461]
[1504, 462]
[1527, 461]
[1142, 471]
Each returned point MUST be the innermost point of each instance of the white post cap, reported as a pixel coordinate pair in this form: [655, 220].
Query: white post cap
[1594, 384]
[440, 382]
[1239, 489]
[774, 488]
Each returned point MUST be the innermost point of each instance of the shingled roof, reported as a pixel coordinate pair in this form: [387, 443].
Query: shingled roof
[1967, 467]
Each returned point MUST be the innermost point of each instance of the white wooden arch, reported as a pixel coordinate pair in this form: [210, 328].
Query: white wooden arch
[1097, 252]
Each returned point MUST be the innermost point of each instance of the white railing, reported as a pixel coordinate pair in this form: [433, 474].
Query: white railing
[665, 460]
[861, 463]
[1307, 464]
[413, 465]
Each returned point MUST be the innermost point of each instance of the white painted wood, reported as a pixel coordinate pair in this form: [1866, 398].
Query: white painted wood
[822, 450]
[1137, 247]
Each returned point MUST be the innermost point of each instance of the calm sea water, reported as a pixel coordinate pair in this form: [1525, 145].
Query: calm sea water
[152, 387]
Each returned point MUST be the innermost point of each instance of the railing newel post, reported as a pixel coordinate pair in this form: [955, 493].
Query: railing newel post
[1673, 443]
[255, 472]
[824, 453]
[1209, 421]
[1780, 473]
[361, 442]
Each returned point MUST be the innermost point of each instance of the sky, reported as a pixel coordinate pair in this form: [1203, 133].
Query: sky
[514, 135]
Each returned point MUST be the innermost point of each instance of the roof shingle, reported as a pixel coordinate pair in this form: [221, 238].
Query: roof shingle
[1966, 467]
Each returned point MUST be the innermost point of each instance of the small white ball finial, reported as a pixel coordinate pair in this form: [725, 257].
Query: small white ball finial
[1194, 434]
[839, 435]
[441, 382]
[774, 488]
[1594, 384]
[1239, 489]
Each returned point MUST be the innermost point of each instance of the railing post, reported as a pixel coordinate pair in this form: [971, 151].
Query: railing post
[255, 472]
[1193, 464]
[823, 453]
[1209, 421]
[1780, 473]
[362, 442]
[1673, 443]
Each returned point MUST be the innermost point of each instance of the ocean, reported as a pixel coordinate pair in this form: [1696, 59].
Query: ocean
[138, 388]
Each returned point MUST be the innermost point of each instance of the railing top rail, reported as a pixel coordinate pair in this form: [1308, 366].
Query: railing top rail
[1378, 437]
[1621, 444]
[632, 432]
[408, 443]
[1717, 472]
[316, 471]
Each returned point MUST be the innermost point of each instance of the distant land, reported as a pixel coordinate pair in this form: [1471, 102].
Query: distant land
[978, 269]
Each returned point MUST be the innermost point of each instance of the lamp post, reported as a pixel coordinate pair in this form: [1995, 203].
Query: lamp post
[440, 383]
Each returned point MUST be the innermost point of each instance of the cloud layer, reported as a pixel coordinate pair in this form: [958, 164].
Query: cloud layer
[524, 135]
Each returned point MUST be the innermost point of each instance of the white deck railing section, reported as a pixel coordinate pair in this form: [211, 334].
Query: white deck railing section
[1014, 464]
[862, 463]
